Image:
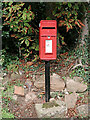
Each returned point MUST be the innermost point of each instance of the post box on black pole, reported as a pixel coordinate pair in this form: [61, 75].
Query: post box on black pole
[47, 49]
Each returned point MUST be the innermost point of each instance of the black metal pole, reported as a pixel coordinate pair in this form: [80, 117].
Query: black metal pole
[47, 81]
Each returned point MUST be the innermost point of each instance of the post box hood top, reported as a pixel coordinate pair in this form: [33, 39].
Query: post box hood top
[48, 23]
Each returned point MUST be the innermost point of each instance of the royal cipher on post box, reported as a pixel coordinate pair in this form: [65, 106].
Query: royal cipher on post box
[48, 39]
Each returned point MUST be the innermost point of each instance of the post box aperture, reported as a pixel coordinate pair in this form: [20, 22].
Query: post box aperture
[48, 39]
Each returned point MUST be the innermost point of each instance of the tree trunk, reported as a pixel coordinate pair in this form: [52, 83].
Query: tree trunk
[84, 34]
[85, 31]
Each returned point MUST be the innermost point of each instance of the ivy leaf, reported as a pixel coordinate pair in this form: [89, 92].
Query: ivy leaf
[37, 48]
[32, 16]
[27, 42]
[26, 24]
[29, 7]
[21, 4]
[53, 12]
[81, 23]
[22, 48]
[76, 6]
[48, 18]
[10, 3]
[22, 41]
[59, 7]
[32, 47]
[69, 5]
[77, 24]
[24, 16]
[20, 38]
[19, 14]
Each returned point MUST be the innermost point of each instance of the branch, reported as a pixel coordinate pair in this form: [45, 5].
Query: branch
[77, 66]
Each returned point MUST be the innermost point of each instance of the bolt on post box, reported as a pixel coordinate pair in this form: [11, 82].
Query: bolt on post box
[47, 39]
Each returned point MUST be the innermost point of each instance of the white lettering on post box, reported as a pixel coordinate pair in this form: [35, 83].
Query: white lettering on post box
[48, 46]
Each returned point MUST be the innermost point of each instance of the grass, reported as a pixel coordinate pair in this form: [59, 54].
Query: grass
[6, 114]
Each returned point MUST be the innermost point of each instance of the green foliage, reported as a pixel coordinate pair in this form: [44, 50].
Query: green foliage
[67, 13]
[12, 67]
[83, 54]
[7, 60]
[6, 98]
[56, 94]
[6, 114]
[18, 18]
[69, 17]
[7, 94]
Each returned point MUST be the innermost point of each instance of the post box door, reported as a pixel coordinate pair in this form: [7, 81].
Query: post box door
[48, 48]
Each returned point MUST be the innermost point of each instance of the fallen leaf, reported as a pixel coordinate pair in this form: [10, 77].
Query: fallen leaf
[36, 65]
[29, 63]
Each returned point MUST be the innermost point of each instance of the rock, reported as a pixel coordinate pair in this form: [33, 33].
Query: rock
[29, 82]
[65, 91]
[18, 90]
[77, 79]
[21, 72]
[52, 99]
[2, 88]
[83, 110]
[53, 112]
[73, 86]
[30, 96]
[5, 80]
[1, 78]
[70, 100]
[61, 103]
[34, 89]
[28, 86]
[4, 74]
[40, 83]
[59, 97]
[34, 77]
[56, 83]
[24, 87]
[15, 97]
[15, 76]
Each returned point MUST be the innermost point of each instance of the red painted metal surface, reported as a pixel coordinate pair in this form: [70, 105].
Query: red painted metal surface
[48, 39]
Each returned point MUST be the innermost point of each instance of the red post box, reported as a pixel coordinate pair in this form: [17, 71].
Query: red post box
[48, 39]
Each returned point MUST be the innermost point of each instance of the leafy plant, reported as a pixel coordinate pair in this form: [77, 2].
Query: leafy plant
[82, 53]
[70, 17]
[18, 18]
[12, 67]
[67, 13]
[6, 114]
[55, 94]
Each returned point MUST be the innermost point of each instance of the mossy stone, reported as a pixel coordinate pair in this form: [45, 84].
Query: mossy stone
[50, 104]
